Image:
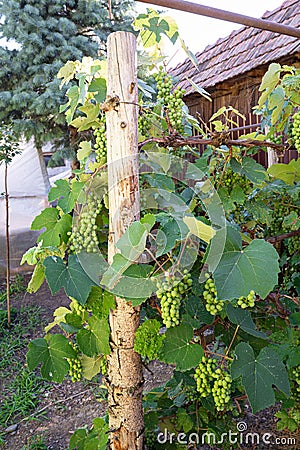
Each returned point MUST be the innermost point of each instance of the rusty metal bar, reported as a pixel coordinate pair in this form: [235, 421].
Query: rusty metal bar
[228, 16]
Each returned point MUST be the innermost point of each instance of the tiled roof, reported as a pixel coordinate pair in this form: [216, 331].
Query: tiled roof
[241, 51]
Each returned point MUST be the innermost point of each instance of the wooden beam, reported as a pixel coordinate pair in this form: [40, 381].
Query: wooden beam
[228, 16]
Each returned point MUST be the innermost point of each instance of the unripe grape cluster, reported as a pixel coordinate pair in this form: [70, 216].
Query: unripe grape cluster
[151, 440]
[100, 145]
[247, 302]
[76, 307]
[221, 389]
[103, 365]
[213, 305]
[213, 380]
[229, 179]
[171, 99]
[296, 130]
[84, 236]
[144, 122]
[75, 367]
[204, 375]
[170, 292]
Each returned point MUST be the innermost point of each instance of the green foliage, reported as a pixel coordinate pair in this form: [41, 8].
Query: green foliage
[148, 340]
[94, 439]
[206, 291]
[52, 353]
[259, 375]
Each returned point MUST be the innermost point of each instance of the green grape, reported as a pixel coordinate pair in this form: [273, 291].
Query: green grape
[213, 304]
[84, 236]
[100, 145]
[204, 375]
[171, 100]
[148, 340]
[296, 130]
[213, 380]
[247, 302]
[103, 365]
[144, 122]
[221, 389]
[75, 366]
[151, 440]
[229, 179]
[296, 378]
[77, 307]
[171, 292]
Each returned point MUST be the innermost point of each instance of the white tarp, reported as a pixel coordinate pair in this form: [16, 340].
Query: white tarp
[28, 187]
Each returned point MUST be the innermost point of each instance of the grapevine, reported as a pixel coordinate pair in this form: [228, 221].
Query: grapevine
[171, 291]
[213, 304]
[213, 380]
[247, 302]
[148, 340]
[172, 101]
[100, 145]
[75, 369]
[296, 130]
[84, 236]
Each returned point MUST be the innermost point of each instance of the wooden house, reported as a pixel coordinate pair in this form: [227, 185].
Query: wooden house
[231, 70]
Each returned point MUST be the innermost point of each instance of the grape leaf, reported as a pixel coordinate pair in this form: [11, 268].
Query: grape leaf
[90, 366]
[66, 192]
[242, 270]
[289, 173]
[71, 277]
[57, 227]
[100, 302]
[259, 375]
[243, 318]
[177, 348]
[133, 242]
[94, 339]
[250, 169]
[52, 354]
[36, 279]
[199, 228]
[59, 316]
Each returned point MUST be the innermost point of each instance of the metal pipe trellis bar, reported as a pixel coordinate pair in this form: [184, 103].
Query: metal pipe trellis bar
[220, 14]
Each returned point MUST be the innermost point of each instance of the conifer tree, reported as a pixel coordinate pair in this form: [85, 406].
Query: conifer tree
[44, 35]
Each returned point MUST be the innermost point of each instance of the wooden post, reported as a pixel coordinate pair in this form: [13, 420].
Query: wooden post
[125, 377]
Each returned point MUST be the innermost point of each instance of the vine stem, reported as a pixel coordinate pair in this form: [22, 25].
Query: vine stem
[7, 246]
[219, 354]
[232, 340]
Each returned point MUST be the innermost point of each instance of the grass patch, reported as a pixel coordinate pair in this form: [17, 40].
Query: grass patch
[20, 388]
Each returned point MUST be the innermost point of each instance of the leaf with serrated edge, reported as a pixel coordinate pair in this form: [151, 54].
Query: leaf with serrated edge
[259, 375]
[52, 354]
[242, 270]
[177, 348]
[243, 318]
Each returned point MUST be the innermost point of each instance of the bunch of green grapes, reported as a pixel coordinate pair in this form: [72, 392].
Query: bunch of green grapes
[84, 236]
[171, 99]
[213, 380]
[229, 179]
[103, 365]
[170, 292]
[148, 340]
[293, 245]
[204, 375]
[221, 389]
[213, 305]
[238, 214]
[75, 366]
[100, 145]
[296, 130]
[280, 211]
[76, 307]
[247, 302]
[151, 440]
[144, 122]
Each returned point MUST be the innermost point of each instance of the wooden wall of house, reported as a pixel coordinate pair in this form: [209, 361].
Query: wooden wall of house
[242, 93]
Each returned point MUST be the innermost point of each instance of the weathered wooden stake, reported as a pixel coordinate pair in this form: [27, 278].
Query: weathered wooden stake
[125, 377]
